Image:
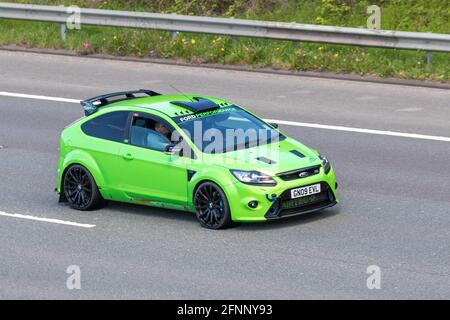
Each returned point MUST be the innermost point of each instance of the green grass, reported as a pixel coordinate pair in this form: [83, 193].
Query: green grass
[418, 15]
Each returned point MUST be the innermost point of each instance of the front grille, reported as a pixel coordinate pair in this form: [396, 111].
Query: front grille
[299, 173]
[304, 201]
[285, 206]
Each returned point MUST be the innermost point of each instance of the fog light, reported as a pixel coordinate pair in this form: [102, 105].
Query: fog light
[253, 204]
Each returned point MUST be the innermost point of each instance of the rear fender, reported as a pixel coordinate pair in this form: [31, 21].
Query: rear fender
[82, 158]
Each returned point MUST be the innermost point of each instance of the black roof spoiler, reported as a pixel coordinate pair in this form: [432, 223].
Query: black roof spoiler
[91, 105]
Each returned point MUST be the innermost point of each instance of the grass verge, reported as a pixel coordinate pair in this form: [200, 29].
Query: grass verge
[419, 15]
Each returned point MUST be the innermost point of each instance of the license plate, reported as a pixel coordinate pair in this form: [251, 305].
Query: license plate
[305, 191]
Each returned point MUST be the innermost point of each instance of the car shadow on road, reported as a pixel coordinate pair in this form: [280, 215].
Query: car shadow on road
[188, 217]
[142, 210]
[306, 218]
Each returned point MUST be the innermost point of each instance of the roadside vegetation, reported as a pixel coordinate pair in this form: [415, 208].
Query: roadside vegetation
[404, 15]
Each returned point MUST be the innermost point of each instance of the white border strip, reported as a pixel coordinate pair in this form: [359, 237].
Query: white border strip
[287, 123]
[68, 223]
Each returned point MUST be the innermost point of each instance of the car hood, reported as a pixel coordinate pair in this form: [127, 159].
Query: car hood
[271, 159]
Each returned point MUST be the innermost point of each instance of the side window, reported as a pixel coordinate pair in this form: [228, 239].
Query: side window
[151, 133]
[110, 126]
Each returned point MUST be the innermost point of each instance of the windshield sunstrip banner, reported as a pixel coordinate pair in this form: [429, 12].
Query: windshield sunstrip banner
[190, 117]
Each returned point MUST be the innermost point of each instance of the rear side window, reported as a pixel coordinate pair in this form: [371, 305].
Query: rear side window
[110, 126]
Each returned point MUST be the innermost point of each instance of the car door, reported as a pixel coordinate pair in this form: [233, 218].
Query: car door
[104, 135]
[149, 174]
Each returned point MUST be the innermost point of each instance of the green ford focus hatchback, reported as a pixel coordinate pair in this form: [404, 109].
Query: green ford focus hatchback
[189, 152]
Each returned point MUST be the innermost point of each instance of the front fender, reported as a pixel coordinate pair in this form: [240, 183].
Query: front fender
[219, 176]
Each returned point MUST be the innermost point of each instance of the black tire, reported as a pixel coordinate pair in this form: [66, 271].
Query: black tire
[80, 189]
[211, 204]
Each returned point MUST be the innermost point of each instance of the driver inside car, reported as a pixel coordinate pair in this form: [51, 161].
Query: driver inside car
[161, 128]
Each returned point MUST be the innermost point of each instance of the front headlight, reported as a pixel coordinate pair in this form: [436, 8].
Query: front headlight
[325, 163]
[253, 177]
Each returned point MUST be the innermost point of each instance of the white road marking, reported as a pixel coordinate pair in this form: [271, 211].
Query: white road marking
[287, 123]
[409, 110]
[68, 223]
[35, 97]
[301, 92]
[360, 130]
[366, 98]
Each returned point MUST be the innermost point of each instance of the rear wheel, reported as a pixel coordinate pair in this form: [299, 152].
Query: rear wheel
[212, 209]
[80, 189]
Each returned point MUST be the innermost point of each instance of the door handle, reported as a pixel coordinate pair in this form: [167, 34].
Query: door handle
[128, 156]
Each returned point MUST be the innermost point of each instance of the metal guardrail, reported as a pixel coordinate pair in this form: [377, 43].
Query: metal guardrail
[234, 27]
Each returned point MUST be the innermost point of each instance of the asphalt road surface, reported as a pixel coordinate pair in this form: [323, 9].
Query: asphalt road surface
[395, 192]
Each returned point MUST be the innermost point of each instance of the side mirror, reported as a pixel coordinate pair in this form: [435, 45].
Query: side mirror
[173, 149]
[273, 124]
[176, 137]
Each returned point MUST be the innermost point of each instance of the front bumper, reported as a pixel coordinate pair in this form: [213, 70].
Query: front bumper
[272, 200]
[285, 207]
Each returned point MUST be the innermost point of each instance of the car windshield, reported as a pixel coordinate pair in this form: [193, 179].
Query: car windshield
[226, 129]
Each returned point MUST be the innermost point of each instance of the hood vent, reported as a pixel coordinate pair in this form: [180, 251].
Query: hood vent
[265, 160]
[298, 153]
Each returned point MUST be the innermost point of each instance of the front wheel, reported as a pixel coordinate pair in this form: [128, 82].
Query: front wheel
[80, 189]
[211, 204]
